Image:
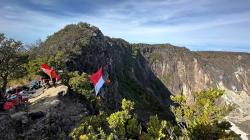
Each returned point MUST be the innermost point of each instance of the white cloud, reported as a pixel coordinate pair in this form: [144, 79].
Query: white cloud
[129, 20]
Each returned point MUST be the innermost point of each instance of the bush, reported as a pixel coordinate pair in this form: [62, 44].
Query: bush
[33, 66]
[117, 123]
[127, 105]
[79, 83]
[156, 128]
[90, 126]
[203, 118]
[123, 123]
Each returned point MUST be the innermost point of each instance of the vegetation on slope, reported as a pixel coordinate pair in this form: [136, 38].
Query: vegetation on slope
[202, 119]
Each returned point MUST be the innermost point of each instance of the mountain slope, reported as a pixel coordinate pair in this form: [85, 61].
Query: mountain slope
[86, 49]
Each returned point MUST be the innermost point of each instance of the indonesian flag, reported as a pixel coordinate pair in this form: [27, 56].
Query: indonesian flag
[49, 71]
[46, 69]
[97, 80]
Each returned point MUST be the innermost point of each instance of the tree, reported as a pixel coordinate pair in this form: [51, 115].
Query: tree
[203, 119]
[33, 66]
[12, 58]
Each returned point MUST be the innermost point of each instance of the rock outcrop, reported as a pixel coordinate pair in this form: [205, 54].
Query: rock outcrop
[49, 117]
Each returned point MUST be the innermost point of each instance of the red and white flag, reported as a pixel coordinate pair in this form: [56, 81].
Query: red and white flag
[97, 80]
[49, 71]
[46, 69]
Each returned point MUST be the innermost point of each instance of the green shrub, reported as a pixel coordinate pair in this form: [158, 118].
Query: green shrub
[127, 105]
[123, 123]
[133, 128]
[117, 123]
[203, 118]
[33, 66]
[80, 83]
[90, 126]
[156, 128]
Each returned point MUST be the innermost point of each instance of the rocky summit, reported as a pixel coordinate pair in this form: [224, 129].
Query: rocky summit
[144, 73]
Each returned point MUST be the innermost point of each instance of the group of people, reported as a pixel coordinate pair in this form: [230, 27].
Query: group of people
[21, 94]
[16, 96]
[47, 81]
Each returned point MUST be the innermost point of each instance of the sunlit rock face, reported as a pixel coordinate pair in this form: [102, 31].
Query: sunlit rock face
[184, 71]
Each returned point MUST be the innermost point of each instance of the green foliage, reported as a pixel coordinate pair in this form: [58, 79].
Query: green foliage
[12, 59]
[88, 137]
[123, 123]
[133, 127]
[90, 127]
[34, 65]
[202, 117]
[159, 129]
[127, 105]
[61, 47]
[79, 83]
[70, 41]
[156, 129]
[65, 77]
[117, 122]
[56, 60]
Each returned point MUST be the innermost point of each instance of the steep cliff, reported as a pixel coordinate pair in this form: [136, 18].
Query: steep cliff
[184, 71]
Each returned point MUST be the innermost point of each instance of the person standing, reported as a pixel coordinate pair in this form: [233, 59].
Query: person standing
[53, 76]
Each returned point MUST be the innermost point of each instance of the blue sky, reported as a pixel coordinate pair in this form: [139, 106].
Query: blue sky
[220, 25]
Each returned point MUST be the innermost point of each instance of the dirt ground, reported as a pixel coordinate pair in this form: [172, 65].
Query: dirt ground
[51, 92]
